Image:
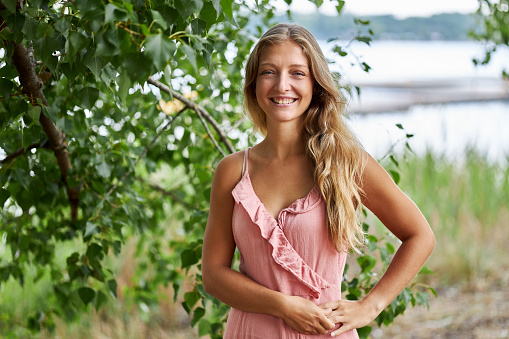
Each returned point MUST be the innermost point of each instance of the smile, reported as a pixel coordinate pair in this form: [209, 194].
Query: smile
[283, 101]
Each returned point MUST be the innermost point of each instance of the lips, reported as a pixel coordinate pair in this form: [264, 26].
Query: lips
[283, 101]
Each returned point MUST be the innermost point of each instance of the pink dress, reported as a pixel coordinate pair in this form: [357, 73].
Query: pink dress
[292, 254]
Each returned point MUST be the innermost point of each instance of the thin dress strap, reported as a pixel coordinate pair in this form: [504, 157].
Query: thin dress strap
[245, 165]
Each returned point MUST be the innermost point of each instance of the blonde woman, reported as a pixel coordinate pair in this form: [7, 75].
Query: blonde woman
[290, 205]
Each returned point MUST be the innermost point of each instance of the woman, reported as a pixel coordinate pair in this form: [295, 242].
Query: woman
[290, 204]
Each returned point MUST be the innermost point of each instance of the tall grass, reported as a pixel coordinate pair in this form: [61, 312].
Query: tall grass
[466, 202]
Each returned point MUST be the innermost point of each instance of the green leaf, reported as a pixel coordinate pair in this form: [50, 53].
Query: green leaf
[209, 14]
[400, 126]
[30, 28]
[100, 300]
[137, 66]
[114, 13]
[198, 26]
[227, 7]
[365, 39]
[190, 54]
[339, 7]
[88, 96]
[112, 286]
[10, 5]
[34, 113]
[86, 6]
[5, 87]
[124, 84]
[197, 315]
[51, 113]
[94, 250]
[425, 270]
[185, 7]
[44, 47]
[4, 195]
[91, 229]
[103, 169]
[62, 25]
[188, 258]
[360, 21]
[191, 298]
[340, 51]
[77, 42]
[364, 332]
[158, 19]
[159, 49]
[204, 328]
[94, 63]
[86, 294]
[395, 176]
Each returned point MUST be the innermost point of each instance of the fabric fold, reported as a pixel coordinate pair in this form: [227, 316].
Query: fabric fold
[283, 252]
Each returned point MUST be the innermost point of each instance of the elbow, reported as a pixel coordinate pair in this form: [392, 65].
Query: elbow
[207, 281]
[207, 285]
[429, 241]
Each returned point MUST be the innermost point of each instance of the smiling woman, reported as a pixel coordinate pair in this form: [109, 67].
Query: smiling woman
[291, 205]
[284, 85]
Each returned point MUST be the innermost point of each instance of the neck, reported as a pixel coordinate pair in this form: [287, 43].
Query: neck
[284, 140]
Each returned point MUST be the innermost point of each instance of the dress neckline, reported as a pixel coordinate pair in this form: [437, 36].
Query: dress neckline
[300, 205]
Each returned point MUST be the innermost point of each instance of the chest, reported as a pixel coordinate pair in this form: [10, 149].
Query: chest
[278, 185]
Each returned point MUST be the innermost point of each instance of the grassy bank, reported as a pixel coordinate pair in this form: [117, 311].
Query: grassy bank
[466, 203]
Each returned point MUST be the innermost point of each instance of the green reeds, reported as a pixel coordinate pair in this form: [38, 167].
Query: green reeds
[466, 202]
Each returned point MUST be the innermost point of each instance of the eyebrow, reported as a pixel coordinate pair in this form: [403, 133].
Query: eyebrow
[292, 65]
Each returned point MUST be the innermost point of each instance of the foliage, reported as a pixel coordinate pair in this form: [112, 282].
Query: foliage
[495, 17]
[98, 148]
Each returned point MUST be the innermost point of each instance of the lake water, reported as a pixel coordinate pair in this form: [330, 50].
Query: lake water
[447, 128]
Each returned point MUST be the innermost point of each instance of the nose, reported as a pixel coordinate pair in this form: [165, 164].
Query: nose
[283, 83]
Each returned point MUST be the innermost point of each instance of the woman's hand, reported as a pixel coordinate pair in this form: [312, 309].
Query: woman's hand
[305, 316]
[349, 314]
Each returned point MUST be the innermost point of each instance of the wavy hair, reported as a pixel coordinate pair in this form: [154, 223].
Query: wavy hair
[332, 149]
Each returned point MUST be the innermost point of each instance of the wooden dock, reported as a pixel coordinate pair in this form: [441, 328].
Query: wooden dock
[400, 96]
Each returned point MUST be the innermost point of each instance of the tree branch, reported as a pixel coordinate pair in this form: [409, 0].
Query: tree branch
[165, 192]
[32, 87]
[210, 133]
[23, 150]
[168, 124]
[196, 108]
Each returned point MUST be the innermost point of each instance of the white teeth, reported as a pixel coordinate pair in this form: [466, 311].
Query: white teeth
[284, 101]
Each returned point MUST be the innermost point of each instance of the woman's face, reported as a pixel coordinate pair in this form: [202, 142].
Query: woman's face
[284, 84]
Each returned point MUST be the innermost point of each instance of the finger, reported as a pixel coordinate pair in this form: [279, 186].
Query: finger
[327, 312]
[330, 304]
[342, 329]
[327, 323]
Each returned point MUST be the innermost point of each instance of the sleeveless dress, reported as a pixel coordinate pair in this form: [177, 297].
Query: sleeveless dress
[292, 254]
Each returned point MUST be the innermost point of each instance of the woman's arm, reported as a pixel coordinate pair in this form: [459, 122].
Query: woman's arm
[234, 288]
[402, 217]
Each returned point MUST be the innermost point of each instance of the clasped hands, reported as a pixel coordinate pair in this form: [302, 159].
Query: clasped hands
[306, 317]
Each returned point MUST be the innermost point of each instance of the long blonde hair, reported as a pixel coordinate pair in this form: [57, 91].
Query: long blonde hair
[332, 149]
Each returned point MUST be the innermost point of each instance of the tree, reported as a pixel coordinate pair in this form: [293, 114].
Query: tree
[113, 116]
[495, 17]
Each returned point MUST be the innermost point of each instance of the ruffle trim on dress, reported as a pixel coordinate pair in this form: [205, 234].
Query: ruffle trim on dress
[283, 252]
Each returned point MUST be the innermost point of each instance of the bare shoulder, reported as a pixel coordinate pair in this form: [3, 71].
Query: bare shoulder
[229, 170]
[375, 179]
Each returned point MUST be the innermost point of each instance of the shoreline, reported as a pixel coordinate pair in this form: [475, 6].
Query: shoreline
[398, 96]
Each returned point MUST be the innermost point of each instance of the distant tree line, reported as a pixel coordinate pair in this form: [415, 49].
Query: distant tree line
[387, 27]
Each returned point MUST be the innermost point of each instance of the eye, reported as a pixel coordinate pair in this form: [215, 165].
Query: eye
[299, 73]
[266, 72]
